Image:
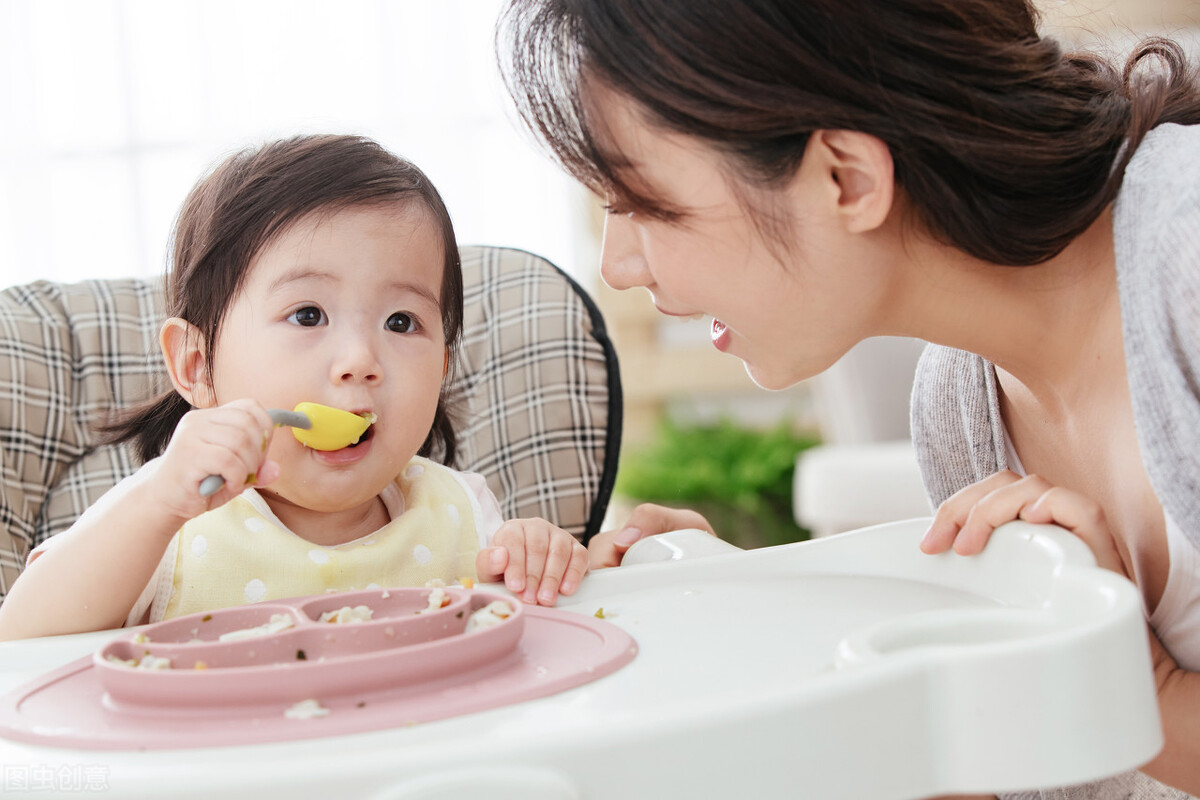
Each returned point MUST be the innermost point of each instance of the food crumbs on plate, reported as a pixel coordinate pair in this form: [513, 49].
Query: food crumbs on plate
[599, 613]
[139, 638]
[147, 662]
[361, 704]
[437, 599]
[306, 709]
[468, 583]
[277, 624]
[301, 655]
[492, 614]
[200, 665]
[206, 618]
[347, 614]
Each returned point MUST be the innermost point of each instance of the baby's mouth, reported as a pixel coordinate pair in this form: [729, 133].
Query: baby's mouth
[367, 434]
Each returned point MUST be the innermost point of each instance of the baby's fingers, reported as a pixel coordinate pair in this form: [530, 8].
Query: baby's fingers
[576, 568]
[511, 538]
[566, 561]
[490, 563]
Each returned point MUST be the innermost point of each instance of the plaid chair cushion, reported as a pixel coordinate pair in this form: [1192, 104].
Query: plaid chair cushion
[537, 389]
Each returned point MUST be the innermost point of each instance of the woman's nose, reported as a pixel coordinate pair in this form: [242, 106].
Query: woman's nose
[622, 262]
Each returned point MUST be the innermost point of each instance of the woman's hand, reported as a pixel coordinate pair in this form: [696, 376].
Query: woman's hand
[608, 548]
[966, 521]
[229, 440]
[537, 561]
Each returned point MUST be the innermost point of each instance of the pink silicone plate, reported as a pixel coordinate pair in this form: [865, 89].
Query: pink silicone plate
[405, 665]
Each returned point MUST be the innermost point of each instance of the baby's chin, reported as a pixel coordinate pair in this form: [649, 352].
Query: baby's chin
[299, 502]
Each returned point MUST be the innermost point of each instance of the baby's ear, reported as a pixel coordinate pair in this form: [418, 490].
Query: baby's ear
[187, 361]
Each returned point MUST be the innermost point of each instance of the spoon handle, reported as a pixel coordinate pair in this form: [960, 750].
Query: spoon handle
[281, 417]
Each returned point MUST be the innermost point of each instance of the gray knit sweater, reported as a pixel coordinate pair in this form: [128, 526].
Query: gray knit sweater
[956, 424]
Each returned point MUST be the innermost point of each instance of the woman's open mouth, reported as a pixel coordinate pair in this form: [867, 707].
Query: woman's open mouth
[720, 335]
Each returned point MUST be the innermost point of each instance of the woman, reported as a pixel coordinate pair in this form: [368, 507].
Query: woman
[812, 174]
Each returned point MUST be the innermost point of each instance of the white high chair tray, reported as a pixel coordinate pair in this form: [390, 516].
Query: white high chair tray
[848, 667]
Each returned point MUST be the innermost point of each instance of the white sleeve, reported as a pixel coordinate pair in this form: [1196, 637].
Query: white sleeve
[487, 508]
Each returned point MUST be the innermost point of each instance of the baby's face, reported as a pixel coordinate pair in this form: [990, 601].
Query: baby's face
[344, 310]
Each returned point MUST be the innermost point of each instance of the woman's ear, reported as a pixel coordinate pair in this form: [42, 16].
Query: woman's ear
[861, 175]
[187, 362]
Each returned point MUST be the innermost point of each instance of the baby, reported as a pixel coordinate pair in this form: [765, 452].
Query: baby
[318, 269]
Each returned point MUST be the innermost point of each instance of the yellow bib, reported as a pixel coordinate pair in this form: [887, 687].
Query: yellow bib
[235, 555]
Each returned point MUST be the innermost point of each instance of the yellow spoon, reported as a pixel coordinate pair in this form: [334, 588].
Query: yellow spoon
[316, 426]
[332, 428]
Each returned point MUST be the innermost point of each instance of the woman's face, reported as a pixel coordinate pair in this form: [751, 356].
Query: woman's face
[788, 308]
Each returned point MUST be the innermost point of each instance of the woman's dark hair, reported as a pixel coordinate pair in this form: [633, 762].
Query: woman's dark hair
[240, 207]
[1006, 147]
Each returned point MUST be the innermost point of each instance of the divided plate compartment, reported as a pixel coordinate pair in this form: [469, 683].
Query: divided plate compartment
[281, 673]
[219, 658]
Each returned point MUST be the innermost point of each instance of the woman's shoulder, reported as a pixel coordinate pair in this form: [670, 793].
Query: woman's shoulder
[948, 380]
[1169, 153]
[955, 420]
[1156, 235]
[1160, 190]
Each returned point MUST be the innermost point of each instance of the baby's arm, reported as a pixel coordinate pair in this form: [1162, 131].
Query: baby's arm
[537, 560]
[92, 578]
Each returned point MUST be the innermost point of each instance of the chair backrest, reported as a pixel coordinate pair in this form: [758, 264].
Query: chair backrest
[536, 378]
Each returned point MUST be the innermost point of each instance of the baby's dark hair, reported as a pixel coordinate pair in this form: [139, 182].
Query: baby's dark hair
[240, 207]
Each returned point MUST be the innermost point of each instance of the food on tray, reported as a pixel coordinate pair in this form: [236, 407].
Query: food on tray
[277, 623]
[332, 428]
[493, 613]
[437, 599]
[347, 614]
[147, 662]
[306, 709]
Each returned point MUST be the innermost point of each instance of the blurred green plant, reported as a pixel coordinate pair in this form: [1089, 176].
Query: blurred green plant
[740, 478]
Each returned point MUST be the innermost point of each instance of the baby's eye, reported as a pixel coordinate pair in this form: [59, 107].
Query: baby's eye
[400, 322]
[309, 316]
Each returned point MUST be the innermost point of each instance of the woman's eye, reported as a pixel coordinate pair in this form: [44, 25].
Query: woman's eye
[309, 316]
[401, 322]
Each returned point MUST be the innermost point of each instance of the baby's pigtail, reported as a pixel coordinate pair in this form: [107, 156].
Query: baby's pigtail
[148, 426]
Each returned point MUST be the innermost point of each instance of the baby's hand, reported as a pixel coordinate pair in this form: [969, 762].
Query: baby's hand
[536, 560]
[230, 441]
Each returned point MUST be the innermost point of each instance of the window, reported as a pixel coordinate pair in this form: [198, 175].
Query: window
[111, 109]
